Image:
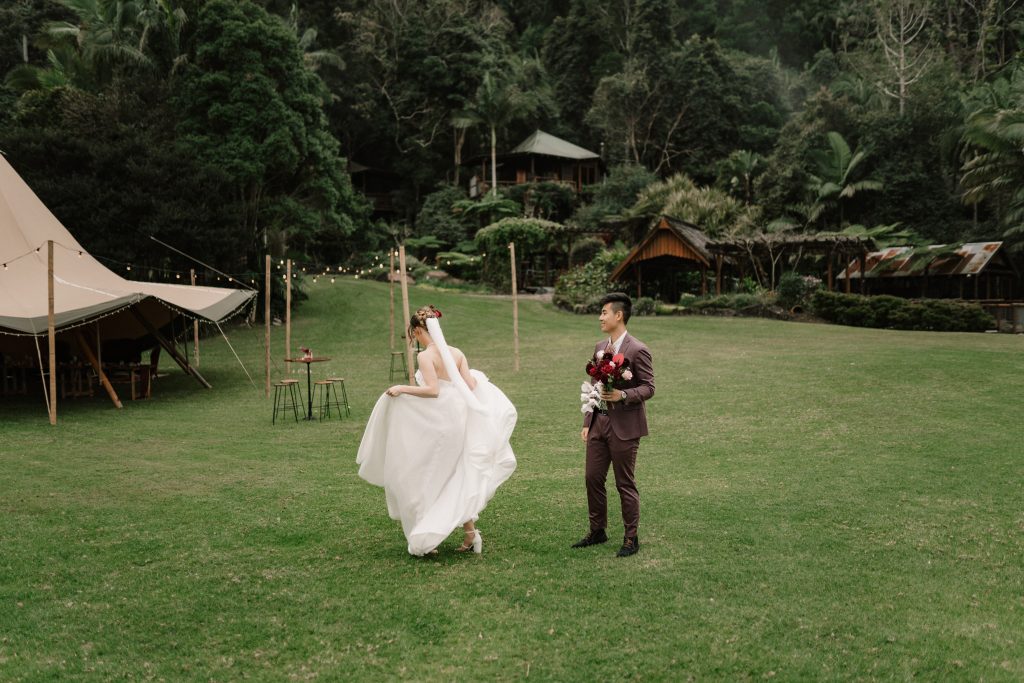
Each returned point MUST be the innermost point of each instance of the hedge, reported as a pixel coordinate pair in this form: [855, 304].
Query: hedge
[892, 312]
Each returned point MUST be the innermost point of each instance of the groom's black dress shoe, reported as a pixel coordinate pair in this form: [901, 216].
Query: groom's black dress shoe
[630, 544]
[593, 538]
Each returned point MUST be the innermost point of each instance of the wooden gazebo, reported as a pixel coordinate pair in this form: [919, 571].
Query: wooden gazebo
[759, 250]
[670, 248]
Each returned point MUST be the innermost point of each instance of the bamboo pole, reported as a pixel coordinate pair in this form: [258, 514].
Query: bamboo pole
[405, 307]
[98, 367]
[266, 332]
[391, 294]
[515, 305]
[51, 332]
[195, 326]
[288, 310]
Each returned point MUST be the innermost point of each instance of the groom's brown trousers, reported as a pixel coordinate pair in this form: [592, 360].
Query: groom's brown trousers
[604, 448]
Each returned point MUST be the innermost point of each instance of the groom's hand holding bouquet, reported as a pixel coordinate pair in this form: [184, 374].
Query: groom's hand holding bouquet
[605, 369]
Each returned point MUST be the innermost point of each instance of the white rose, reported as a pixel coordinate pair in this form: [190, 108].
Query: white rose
[627, 375]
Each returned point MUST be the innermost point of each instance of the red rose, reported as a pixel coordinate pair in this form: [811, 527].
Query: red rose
[618, 358]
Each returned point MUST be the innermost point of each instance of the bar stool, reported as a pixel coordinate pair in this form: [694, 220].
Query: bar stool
[340, 381]
[398, 357]
[322, 395]
[286, 395]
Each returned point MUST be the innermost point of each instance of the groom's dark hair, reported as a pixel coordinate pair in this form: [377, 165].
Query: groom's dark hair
[619, 302]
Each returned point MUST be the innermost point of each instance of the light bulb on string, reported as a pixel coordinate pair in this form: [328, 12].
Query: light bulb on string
[332, 280]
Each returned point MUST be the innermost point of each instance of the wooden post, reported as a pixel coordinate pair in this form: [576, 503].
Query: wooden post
[718, 274]
[266, 332]
[288, 310]
[391, 293]
[848, 274]
[95, 362]
[195, 327]
[51, 331]
[405, 307]
[863, 273]
[639, 280]
[515, 306]
[830, 271]
[170, 348]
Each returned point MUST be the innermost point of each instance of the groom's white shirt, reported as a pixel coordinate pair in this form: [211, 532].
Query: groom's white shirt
[617, 344]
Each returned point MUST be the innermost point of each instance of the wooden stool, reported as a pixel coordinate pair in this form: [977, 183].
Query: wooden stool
[322, 391]
[286, 395]
[340, 381]
[399, 357]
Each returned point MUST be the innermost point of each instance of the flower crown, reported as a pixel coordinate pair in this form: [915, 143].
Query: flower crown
[427, 312]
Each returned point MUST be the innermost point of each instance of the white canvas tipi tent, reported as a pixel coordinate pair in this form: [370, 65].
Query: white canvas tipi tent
[85, 291]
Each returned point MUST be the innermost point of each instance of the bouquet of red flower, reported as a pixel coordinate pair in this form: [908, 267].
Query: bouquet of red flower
[605, 369]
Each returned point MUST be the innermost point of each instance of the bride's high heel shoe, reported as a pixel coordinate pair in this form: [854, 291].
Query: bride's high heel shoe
[476, 545]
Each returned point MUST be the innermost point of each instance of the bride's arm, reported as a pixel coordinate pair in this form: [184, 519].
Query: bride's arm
[463, 365]
[430, 388]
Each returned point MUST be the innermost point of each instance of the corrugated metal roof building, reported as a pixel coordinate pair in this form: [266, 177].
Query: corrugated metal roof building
[974, 270]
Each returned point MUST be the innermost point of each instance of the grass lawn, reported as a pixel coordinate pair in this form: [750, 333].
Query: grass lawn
[818, 502]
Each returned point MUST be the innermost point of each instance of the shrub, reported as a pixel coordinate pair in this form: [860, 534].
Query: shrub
[531, 235]
[645, 305]
[548, 200]
[585, 249]
[581, 288]
[439, 219]
[796, 290]
[900, 314]
[462, 266]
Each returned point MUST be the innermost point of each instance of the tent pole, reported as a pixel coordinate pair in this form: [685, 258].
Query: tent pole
[391, 293]
[94, 361]
[515, 306]
[51, 332]
[195, 327]
[266, 333]
[405, 307]
[288, 310]
[169, 348]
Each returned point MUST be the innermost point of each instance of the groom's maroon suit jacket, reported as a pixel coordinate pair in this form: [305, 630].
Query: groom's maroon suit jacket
[629, 419]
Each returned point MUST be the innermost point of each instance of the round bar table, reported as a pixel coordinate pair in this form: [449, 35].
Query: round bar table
[309, 380]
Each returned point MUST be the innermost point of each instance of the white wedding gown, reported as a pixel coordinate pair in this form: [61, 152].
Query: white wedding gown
[439, 460]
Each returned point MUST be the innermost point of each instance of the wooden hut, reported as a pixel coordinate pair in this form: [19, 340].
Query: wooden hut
[659, 262]
[542, 157]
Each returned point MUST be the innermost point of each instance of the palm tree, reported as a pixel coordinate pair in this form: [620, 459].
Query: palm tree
[107, 34]
[836, 177]
[739, 170]
[507, 93]
[994, 134]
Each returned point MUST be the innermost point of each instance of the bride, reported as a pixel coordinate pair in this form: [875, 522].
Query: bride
[440, 448]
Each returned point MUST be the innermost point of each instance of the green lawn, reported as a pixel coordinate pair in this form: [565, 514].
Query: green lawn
[818, 502]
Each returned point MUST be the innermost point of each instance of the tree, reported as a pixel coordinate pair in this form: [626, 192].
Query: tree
[250, 106]
[835, 179]
[993, 171]
[738, 171]
[900, 24]
[511, 90]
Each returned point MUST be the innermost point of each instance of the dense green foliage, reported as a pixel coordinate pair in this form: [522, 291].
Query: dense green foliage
[580, 289]
[235, 120]
[901, 314]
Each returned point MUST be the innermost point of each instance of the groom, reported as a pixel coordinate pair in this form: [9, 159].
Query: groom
[613, 435]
